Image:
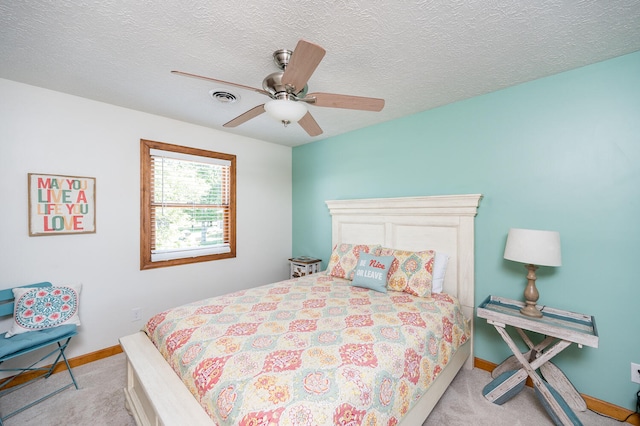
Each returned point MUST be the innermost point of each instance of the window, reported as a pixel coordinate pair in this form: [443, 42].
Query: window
[187, 205]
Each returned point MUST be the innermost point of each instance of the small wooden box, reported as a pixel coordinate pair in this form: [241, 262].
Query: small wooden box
[303, 265]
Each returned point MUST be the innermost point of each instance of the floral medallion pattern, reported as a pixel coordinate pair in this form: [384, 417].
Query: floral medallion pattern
[310, 351]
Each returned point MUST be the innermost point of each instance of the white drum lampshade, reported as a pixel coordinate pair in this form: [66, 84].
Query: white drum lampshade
[533, 247]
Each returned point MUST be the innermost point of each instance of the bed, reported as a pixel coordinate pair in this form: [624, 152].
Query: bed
[323, 381]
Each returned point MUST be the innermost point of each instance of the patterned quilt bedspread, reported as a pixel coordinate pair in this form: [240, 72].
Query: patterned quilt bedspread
[310, 351]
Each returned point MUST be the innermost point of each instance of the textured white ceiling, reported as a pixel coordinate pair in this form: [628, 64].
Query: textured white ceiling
[416, 54]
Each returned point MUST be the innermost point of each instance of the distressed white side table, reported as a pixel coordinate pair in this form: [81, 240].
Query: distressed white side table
[304, 265]
[561, 329]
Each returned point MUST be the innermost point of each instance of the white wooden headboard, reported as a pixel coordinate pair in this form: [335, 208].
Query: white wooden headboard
[442, 223]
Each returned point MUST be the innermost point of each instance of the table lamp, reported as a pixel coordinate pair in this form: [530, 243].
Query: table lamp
[533, 248]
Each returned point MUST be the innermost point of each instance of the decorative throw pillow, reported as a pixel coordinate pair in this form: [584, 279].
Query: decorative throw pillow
[411, 271]
[344, 259]
[372, 271]
[44, 307]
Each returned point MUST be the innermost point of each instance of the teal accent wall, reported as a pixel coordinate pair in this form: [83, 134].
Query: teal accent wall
[560, 153]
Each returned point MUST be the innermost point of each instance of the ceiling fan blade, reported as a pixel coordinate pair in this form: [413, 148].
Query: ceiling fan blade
[215, 80]
[332, 100]
[245, 116]
[304, 61]
[308, 123]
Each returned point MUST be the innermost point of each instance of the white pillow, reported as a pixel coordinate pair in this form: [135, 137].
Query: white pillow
[439, 269]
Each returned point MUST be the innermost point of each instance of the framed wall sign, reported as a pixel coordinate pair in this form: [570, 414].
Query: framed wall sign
[61, 205]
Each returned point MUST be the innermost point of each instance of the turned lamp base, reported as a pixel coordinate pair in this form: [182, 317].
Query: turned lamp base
[533, 247]
[531, 294]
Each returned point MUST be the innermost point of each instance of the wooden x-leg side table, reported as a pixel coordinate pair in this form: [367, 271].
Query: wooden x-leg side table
[561, 328]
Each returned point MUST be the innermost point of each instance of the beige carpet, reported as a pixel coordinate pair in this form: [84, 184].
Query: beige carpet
[100, 401]
[463, 404]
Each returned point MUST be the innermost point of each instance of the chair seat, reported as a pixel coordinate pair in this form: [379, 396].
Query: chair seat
[13, 345]
[55, 338]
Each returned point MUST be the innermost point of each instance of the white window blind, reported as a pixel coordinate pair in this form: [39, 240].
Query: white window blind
[190, 205]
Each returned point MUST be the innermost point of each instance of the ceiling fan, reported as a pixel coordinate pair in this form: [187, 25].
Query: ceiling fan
[288, 90]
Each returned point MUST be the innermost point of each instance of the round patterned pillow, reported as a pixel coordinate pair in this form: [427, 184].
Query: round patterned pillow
[44, 307]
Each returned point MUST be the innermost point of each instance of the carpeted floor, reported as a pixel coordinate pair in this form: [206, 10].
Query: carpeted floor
[463, 404]
[100, 401]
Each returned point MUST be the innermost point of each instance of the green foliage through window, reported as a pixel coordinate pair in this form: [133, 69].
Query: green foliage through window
[189, 202]
[187, 205]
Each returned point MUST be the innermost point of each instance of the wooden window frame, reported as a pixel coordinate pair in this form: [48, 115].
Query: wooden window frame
[146, 224]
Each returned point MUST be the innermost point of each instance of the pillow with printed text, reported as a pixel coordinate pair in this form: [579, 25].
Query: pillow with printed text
[372, 271]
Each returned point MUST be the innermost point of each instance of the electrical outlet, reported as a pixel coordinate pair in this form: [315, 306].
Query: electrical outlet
[635, 373]
[136, 314]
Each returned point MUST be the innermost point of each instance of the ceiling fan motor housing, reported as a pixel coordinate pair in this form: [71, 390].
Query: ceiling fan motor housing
[274, 85]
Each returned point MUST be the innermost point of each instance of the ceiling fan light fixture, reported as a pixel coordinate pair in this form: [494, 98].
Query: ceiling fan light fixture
[285, 110]
[288, 89]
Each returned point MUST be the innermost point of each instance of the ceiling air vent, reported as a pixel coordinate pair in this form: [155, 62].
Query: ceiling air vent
[223, 97]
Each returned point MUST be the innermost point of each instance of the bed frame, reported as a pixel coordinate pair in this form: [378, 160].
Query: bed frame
[156, 396]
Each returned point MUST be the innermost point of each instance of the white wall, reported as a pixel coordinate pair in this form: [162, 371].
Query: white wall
[48, 132]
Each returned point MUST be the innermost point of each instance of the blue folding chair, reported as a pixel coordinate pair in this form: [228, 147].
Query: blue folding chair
[21, 344]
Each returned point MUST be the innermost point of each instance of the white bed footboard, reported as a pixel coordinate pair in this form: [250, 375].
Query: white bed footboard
[154, 394]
